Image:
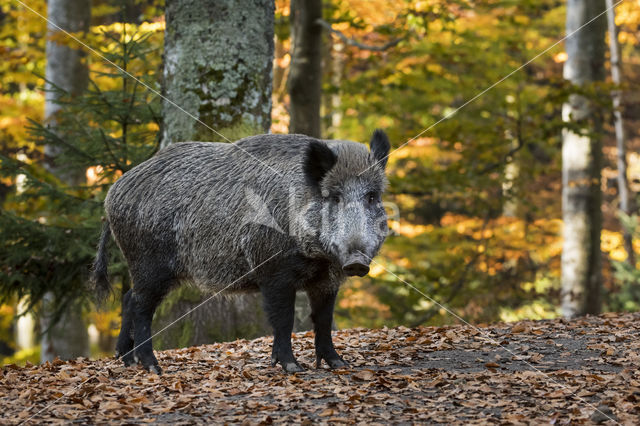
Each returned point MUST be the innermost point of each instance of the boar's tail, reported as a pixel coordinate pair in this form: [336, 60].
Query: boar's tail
[99, 274]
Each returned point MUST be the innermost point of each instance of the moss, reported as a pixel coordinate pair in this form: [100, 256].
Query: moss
[220, 72]
[180, 334]
[180, 294]
[235, 132]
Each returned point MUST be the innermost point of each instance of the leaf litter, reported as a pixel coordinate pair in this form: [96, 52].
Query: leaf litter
[584, 371]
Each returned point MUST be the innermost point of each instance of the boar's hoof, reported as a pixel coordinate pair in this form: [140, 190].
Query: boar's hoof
[128, 358]
[337, 363]
[155, 369]
[292, 367]
[332, 362]
[288, 366]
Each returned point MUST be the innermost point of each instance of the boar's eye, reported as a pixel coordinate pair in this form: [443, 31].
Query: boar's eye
[335, 198]
[372, 197]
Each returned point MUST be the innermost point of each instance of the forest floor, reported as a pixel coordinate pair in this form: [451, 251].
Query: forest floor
[581, 371]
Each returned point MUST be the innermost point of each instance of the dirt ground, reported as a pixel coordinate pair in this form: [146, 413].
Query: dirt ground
[581, 371]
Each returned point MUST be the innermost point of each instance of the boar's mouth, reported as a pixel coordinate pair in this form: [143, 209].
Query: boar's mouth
[356, 265]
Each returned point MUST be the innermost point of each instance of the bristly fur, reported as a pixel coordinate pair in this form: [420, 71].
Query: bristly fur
[209, 213]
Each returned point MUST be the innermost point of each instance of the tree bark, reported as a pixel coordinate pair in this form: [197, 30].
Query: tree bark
[616, 97]
[218, 68]
[67, 70]
[582, 163]
[338, 59]
[305, 75]
[305, 94]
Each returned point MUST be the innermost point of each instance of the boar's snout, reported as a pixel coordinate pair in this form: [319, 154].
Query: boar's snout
[356, 264]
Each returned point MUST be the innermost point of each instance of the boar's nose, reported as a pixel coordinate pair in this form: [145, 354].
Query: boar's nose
[356, 264]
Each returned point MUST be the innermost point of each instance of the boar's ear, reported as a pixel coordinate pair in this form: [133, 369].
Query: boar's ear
[380, 147]
[318, 160]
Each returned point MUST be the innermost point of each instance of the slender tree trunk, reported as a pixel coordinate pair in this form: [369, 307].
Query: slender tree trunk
[338, 60]
[279, 71]
[305, 94]
[616, 96]
[511, 207]
[25, 327]
[67, 70]
[582, 163]
[305, 76]
[218, 68]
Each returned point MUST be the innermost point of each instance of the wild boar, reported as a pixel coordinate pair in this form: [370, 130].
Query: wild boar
[270, 213]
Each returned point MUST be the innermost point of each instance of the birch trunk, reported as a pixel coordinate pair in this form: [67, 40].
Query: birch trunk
[582, 163]
[67, 70]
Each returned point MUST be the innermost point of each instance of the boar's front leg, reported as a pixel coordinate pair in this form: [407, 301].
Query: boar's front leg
[279, 304]
[322, 302]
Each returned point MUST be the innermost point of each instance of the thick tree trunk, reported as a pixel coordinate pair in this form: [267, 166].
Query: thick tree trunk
[65, 69]
[218, 67]
[616, 96]
[305, 76]
[582, 164]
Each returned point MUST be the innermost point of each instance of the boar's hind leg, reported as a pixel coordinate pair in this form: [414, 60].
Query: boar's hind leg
[149, 288]
[124, 346]
[322, 316]
[279, 304]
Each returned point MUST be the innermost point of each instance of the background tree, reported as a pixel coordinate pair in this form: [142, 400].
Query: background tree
[67, 70]
[305, 75]
[621, 157]
[49, 228]
[305, 95]
[218, 68]
[582, 161]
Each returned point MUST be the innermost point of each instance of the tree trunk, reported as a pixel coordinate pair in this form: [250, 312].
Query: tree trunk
[68, 338]
[305, 76]
[67, 70]
[338, 59]
[218, 67]
[582, 163]
[616, 96]
[305, 94]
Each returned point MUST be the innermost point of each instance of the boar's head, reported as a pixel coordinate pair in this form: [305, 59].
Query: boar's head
[350, 180]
